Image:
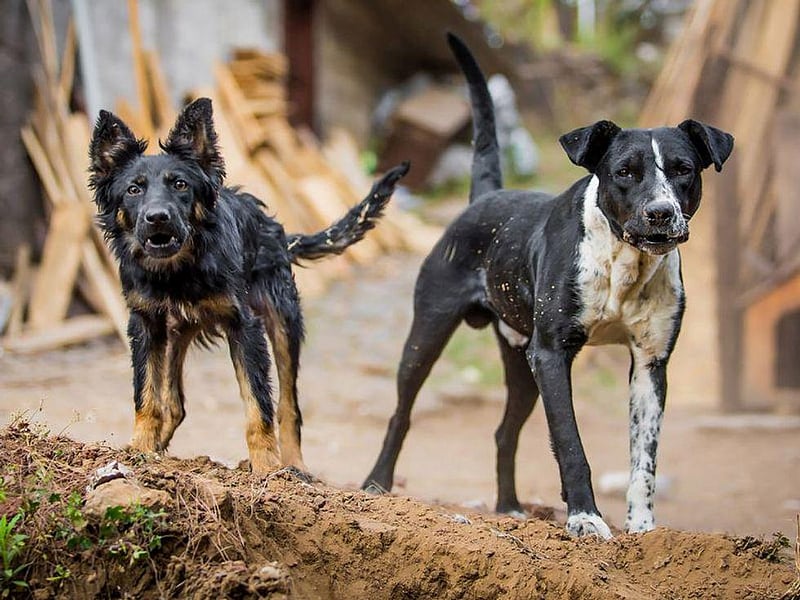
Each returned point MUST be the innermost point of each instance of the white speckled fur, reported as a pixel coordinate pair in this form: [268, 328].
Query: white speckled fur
[630, 297]
[582, 524]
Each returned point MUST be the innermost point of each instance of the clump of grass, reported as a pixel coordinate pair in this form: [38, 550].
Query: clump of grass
[12, 544]
[771, 551]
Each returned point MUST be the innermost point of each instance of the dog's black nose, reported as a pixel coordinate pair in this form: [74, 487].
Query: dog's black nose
[155, 216]
[659, 212]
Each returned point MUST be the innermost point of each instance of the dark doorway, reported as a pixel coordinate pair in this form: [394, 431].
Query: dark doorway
[788, 351]
[299, 47]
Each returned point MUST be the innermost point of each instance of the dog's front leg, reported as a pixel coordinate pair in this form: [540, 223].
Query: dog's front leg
[648, 389]
[552, 367]
[148, 338]
[248, 347]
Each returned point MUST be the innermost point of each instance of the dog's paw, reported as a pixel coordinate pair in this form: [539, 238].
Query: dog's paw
[640, 521]
[300, 474]
[583, 524]
[374, 488]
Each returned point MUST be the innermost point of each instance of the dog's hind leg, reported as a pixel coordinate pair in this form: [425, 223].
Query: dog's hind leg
[521, 398]
[286, 333]
[172, 397]
[433, 325]
[148, 338]
[248, 347]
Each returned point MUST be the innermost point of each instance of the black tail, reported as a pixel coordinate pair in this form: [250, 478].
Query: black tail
[486, 174]
[351, 228]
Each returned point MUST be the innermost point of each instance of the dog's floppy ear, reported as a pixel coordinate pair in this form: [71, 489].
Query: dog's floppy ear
[587, 145]
[712, 144]
[193, 137]
[113, 144]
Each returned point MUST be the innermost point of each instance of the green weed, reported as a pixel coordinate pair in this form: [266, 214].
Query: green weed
[12, 544]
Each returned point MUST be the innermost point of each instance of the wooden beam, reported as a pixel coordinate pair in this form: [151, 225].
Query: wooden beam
[72, 331]
[52, 290]
[20, 289]
[139, 71]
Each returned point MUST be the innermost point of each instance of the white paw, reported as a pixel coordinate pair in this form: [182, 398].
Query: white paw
[639, 521]
[583, 524]
[517, 514]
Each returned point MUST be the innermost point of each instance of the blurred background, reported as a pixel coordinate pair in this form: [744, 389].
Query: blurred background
[312, 98]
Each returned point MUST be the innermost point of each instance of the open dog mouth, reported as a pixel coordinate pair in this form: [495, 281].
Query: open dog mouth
[657, 242]
[162, 244]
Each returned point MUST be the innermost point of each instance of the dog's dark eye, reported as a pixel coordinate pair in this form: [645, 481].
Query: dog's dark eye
[180, 185]
[134, 190]
[683, 169]
[623, 172]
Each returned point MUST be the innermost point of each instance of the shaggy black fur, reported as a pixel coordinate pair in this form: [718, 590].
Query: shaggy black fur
[197, 260]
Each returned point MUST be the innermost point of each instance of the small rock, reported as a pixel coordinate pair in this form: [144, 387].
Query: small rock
[319, 501]
[271, 571]
[457, 518]
[122, 492]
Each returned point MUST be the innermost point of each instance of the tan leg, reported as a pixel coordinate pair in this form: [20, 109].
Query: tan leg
[288, 413]
[251, 363]
[148, 346]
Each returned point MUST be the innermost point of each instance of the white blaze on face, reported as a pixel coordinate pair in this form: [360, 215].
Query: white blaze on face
[663, 189]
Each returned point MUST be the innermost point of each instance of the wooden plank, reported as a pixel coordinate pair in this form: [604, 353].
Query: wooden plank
[786, 182]
[768, 42]
[729, 314]
[72, 331]
[52, 290]
[249, 130]
[162, 100]
[41, 163]
[67, 73]
[139, 70]
[670, 99]
[287, 203]
[20, 288]
[105, 289]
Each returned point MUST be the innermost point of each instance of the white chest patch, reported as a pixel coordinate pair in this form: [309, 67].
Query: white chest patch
[628, 296]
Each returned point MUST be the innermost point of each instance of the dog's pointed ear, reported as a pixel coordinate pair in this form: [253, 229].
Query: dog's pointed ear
[193, 137]
[712, 144]
[113, 144]
[587, 145]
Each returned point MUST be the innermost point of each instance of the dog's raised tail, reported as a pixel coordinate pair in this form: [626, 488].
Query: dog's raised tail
[352, 227]
[486, 174]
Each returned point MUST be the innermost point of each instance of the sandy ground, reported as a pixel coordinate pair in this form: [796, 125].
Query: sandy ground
[742, 481]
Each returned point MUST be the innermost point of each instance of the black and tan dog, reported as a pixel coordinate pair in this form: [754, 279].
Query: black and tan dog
[198, 260]
[597, 264]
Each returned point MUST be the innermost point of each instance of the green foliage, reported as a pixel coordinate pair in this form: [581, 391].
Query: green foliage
[132, 531]
[771, 551]
[12, 544]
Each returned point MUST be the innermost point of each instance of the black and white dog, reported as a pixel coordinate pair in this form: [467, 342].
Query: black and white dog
[597, 264]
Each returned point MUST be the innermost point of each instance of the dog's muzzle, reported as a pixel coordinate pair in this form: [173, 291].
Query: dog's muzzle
[657, 240]
[158, 234]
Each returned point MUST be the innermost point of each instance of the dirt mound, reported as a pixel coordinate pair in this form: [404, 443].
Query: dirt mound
[197, 529]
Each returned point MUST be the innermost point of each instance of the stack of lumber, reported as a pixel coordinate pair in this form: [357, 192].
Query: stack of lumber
[735, 66]
[285, 167]
[74, 257]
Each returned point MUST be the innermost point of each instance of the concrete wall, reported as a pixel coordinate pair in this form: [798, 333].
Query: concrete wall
[188, 35]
